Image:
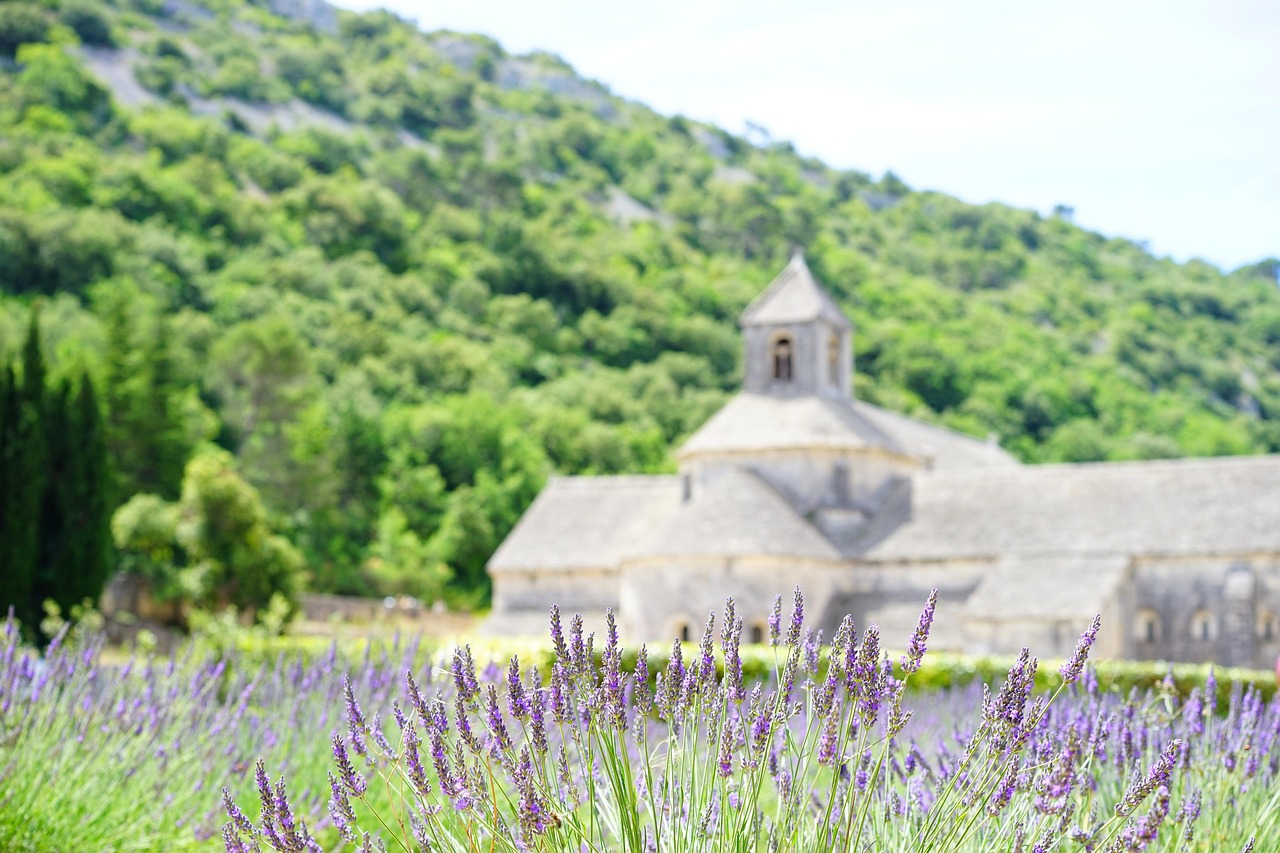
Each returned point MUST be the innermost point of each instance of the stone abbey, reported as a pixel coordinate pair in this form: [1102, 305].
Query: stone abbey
[797, 482]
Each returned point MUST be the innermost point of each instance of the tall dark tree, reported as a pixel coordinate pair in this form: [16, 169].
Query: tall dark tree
[75, 534]
[16, 549]
[55, 489]
[24, 456]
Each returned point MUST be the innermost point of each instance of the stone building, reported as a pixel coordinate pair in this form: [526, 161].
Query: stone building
[796, 482]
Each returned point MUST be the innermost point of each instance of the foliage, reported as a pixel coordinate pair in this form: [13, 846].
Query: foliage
[223, 528]
[409, 237]
[55, 486]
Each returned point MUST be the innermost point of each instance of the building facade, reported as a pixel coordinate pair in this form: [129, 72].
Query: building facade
[796, 482]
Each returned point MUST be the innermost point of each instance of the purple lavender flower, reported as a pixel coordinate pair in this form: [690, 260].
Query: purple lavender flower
[340, 810]
[557, 636]
[239, 821]
[464, 674]
[579, 664]
[1157, 776]
[614, 705]
[643, 694]
[533, 809]
[559, 694]
[827, 742]
[797, 619]
[537, 719]
[707, 661]
[517, 702]
[355, 783]
[724, 759]
[415, 699]
[268, 799]
[413, 763]
[1071, 670]
[812, 642]
[497, 726]
[916, 646]
[775, 621]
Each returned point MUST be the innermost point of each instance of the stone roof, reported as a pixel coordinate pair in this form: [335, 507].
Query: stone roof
[944, 448]
[587, 522]
[793, 297]
[737, 514]
[755, 422]
[1184, 506]
[1060, 586]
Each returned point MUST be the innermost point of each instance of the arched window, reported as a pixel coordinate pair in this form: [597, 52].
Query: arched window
[757, 633]
[833, 360]
[1268, 627]
[782, 358]
[1146, 626]
[1203, 626]
[681, 627]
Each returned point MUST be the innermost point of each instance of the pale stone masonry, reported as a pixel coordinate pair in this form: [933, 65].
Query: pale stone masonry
[795, 482]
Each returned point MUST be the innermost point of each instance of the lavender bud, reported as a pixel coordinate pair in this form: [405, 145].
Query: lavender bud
[916, 646]
[797, 619]
[355, 783]
[775, 621]
[1072, 669]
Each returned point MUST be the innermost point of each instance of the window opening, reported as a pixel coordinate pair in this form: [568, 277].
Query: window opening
[1202, 627]
[833, 360]
[782, 359]
[1146, 626]
[757, 634]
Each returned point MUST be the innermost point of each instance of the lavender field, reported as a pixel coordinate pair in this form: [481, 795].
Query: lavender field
[581, 749]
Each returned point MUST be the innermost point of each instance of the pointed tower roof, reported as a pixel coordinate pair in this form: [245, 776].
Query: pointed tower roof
[793, 297]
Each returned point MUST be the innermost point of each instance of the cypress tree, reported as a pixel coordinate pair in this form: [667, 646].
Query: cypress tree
[55, 554]
[92, 500]
[15, 580]
[24, 477]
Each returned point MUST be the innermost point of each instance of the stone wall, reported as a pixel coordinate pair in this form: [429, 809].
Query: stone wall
[1214, 608]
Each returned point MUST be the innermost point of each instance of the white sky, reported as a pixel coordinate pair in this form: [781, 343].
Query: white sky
[1156, 121]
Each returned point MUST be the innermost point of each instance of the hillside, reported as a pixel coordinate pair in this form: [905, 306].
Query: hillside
[404, 276]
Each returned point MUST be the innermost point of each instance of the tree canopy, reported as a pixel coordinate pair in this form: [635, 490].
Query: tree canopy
[399, 278]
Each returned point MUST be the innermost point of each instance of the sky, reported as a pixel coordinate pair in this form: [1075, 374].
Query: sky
[1155, 121]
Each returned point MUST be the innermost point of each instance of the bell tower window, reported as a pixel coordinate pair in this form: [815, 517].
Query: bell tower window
[833, 360]
[782, 359]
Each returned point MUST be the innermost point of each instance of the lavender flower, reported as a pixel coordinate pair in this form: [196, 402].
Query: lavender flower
[916, 646]
[517, 702]
[797, 619]
[1157, 776]
[354, 782]
[1071, 670]
[643, 693]
[340, 810]
[557, 636]
[497, 726]
[775, 621]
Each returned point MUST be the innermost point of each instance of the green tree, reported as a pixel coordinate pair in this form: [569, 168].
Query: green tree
[23, 455]
[235, 555]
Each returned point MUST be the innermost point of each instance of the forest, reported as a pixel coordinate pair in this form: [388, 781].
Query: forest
[340, 295]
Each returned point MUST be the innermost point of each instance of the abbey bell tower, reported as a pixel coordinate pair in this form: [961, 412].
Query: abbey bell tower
[797, 341]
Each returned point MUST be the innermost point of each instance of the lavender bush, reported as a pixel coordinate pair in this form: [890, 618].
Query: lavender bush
[823, 756]
[400, 749]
